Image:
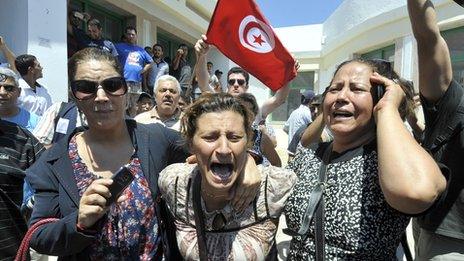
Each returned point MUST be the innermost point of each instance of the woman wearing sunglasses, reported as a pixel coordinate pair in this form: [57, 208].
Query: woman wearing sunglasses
[72, 180]
[355, 195]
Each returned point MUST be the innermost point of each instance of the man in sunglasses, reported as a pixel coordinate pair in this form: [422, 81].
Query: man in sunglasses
[237, 82]
[9, 93]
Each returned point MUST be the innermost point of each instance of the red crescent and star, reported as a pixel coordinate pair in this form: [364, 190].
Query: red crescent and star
[258, 40]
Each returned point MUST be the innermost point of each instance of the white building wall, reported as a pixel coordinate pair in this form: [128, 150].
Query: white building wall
[220, 62]
[13, 25]
[39, 28]
[361, 26]
[47, 41]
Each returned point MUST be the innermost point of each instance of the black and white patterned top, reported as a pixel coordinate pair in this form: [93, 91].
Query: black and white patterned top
[359, 224]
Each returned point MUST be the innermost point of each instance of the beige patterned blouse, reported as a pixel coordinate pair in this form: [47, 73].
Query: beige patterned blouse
[246, 236]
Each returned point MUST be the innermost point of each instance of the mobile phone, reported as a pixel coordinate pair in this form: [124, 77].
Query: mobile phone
[121, 179]
[378, 90]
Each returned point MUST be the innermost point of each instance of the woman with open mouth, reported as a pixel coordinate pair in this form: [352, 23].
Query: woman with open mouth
[217, 127]
[355, 195]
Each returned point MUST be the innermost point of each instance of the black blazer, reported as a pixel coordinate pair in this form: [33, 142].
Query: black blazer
[56, 192]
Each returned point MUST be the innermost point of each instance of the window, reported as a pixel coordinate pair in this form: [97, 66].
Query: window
[170, 44]
[112, 23]
[454, 38]
[386, 53]
[302, 82]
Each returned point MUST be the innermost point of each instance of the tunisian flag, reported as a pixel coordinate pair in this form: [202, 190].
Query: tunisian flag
[242, 33]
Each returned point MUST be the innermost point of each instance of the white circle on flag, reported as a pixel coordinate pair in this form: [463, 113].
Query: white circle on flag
[256, 35]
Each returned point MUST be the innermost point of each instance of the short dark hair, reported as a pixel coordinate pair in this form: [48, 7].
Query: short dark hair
[249, 98]
[95, 22]
[214, 102]
[241, 71]
[89, 54]
[157, 44]
[182, 45]
[209, 63]
[130, 27]
[23, 62]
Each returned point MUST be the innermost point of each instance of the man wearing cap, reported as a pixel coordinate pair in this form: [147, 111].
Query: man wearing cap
[167, 94]
[144, 103]
[301, 116]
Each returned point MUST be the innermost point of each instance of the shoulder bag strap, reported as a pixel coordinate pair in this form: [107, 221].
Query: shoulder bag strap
[320, 211]
[199, 218]
[313, 209]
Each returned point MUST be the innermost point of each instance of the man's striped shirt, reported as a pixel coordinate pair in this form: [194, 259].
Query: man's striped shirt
[19, 149]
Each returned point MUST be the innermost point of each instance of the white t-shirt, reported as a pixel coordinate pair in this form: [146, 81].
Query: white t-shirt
[36, 101]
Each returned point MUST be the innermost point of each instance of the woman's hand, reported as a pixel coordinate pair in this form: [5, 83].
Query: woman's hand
[248, 184]
[393, 97]
[93, 203]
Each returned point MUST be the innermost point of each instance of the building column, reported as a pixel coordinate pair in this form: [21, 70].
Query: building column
[47, 40]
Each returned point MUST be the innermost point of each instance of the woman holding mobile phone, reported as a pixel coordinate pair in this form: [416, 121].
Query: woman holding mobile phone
[355, 195]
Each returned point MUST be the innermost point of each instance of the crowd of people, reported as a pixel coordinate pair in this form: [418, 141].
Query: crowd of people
[206, 180]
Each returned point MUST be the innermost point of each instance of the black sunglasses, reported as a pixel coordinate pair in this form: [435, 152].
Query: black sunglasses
[8, 88]
[239, 81]
[85, 89]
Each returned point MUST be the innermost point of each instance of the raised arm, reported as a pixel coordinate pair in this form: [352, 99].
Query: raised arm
[409, 177]
[275, 101]
[9, 55]
[201, 49]
[278, 99]
[176, 61]
[435, 71]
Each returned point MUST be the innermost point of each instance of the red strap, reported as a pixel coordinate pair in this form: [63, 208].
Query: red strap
[21, 255]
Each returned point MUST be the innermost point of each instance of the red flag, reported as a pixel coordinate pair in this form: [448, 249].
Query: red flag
[243, 34]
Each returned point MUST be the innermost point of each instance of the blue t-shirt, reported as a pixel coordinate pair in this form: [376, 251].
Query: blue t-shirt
[25, 119]
[133, 58]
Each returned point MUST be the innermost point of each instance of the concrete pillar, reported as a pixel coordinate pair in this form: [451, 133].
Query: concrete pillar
[46, 30]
